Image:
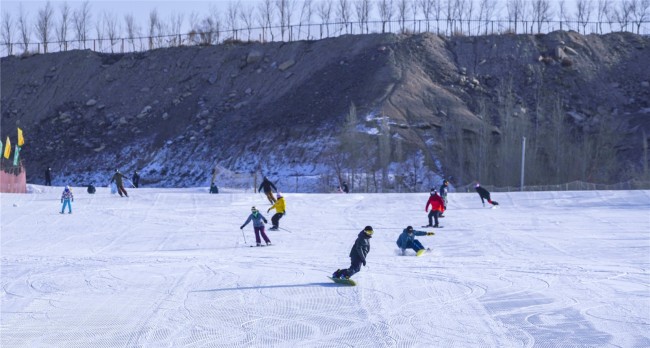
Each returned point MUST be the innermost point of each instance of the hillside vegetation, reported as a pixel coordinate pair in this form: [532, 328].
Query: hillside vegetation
[382, 111]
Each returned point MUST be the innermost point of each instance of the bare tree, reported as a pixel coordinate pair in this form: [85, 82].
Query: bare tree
[266, 17]
[427, 7]
[402, 12]
[306, 12]
[343, 13]
[602, 10]
[515, 9]
[640, 13]
[324, 11]
[281, 7]
[386, 11]
[216, 24]
[362, 9]
[449, 14]
[583, 13]
[81, 20]
[175, 25]
[232, 12]
[623, 13]
[468, 9]
[132, 29]
[246, 15]
[541, 12]
[24, 28]
[153, 24]
[291, 9]
[62, 28]
[112, 28]
[99, 32]
[7, 32]
[44, 22]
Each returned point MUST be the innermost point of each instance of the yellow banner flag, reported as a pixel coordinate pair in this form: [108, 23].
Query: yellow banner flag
[21, 140]
[7, 148]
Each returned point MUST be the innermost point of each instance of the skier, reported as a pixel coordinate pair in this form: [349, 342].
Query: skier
[136, 179]
[117, 177]
[66, 197]
[48, 176]
[344, 187]
[267, 185]
[437, 207]
[280, 211]
[443, 193]
[258, 226]
[407, 240]
[358, 254]
[485, 195]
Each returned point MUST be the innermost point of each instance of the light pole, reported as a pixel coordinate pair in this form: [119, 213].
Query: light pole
[523, 161]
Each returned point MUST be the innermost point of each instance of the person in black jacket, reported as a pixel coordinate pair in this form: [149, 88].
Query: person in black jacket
[485, 195]
[358, 254]
[444, 188]
[136, 179]
[267, 185]
[48, 176]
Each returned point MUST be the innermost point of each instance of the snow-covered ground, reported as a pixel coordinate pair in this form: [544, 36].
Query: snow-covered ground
[170, 267]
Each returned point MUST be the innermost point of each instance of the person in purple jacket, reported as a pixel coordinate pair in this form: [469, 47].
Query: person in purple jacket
[66, 198]
[258, 226]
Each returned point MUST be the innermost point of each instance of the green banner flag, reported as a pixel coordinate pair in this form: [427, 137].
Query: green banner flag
[16, 155]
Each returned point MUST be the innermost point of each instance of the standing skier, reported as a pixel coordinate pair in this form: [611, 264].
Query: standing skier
[117, 177]
[358, 254]
[485, 195]
[407, 240]
[48, 176]
[66, 197]
[267, 185]
[437, 207]
[258, 226]
[280, 210]
[136, 179]
[444, 188]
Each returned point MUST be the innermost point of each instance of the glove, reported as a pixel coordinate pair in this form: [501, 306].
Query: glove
[364, 262]
[266, 222]
[241, 228]
[430, 233]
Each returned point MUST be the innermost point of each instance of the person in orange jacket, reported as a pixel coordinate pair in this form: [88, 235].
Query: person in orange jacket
[437, 207]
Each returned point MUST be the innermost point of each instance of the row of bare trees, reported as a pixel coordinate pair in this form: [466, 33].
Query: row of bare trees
[294, 19]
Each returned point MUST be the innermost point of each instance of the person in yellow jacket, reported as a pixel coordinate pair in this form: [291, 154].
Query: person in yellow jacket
[280, 211]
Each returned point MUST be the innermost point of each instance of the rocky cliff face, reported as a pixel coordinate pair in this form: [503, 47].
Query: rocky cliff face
[411, 108]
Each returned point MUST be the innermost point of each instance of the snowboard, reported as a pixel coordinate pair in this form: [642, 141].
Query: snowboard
[422, 252]
[343, 281]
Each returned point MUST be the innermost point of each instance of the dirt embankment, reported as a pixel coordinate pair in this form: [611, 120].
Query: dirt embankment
[456, 104]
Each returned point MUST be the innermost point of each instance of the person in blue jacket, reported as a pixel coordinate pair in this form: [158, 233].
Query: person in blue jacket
[407, 239]
[258, 226]
[358, 254]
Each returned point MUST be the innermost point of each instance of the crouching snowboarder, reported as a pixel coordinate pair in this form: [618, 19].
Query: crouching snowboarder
[485, 195]
[358, 255]
[407, 240]
[280, 211]
[258, 226]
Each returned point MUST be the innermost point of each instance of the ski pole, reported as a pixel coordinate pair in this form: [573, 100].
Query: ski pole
[243, 235]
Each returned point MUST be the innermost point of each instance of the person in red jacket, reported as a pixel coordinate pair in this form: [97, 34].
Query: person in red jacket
[437, 207]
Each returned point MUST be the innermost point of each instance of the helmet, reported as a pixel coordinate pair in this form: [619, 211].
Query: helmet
[67, 188]
[253, 209]
[434, 191]
[279, 195]
[477, 184]
[409, 229]
[368, 230]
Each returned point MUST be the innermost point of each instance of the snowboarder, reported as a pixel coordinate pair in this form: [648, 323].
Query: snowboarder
[267, 185]
[344, 187]
[485, 195]
[48, 176]
[258, 226]
[66, 198]
[437, 207]
[214, 188]
[136, 179]
[91, 189]
[443, 193]
[117, 177]
[280, 211]
[407, 240]
[358, 254]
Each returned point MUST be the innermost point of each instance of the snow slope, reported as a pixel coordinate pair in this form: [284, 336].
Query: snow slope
[169, 267]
